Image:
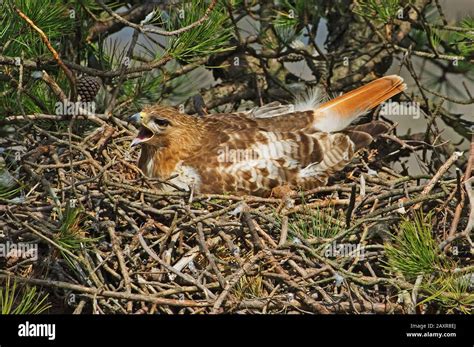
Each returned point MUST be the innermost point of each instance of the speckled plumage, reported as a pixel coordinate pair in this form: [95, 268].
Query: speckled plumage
[247, 153]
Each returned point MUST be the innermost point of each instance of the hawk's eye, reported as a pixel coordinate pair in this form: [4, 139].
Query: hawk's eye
[161, 122]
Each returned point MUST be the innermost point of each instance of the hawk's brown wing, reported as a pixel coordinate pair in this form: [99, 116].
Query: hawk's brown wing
[238, 155]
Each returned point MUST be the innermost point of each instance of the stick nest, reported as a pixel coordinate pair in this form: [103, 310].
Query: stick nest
[110, 242]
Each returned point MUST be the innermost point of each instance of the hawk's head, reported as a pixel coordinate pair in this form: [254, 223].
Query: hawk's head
[159, 125]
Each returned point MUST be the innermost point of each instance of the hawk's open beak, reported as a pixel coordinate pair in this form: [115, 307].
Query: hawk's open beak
[144, 133]
[135, 142]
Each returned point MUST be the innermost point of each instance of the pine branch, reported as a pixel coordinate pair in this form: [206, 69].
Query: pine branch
[143, 29]
[69, 74]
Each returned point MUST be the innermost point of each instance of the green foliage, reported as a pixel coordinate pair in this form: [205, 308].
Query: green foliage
[71, 233]
[143, 91]
[203, 40]
[93, 6]
[36, 97]
[285, 27]
[452, 292]
[208, 38]
[466, 39]
[302, 10]
[311, 223]
[290, 19]
[17, 38]
[9, 186]
[24, 300]
[435, 38]
[320, 223]
[249, 287]
[384, 11]
[459, 43]
[7, 193]
[414, 251]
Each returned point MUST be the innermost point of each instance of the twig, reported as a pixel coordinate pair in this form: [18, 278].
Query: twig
[210, 258]
[69, 74]
[123, 268]
[106, 293]
[442, 170]
[144, 29]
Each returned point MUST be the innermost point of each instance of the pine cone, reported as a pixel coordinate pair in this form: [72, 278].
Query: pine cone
[88, 87]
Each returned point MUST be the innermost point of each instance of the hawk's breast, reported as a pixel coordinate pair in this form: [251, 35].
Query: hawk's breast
[184, 177]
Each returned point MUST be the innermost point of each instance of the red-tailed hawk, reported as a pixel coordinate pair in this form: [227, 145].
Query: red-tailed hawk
[254, 152]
